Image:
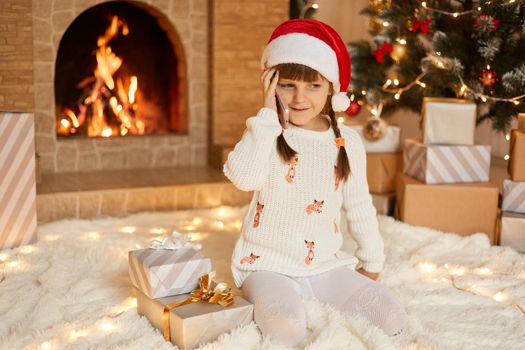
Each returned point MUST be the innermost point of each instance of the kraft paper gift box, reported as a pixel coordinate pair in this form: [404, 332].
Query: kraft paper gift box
[381, 170]
[516, 164]
[384, 203]
[513, 196]
[17, 180]
[448, 121]
[465, 208]
[435, 164]
[196, 323]
[387, 144]
[512, 231]
[160, 272]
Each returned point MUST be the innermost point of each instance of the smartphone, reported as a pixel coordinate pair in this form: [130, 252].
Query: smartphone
[282, 111]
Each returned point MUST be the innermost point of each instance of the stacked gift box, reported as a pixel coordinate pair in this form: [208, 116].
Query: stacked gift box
[176, 292]
[383, 161]
[17, 180]
[512, 229]
[445, 180]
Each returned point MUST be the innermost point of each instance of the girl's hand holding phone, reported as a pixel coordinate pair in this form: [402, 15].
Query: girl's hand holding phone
[270, 78]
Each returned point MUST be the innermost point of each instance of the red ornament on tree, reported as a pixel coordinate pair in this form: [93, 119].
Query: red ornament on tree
[422, 25]
[491, 21]
[380, 52]
[353, 109]
[488, 77]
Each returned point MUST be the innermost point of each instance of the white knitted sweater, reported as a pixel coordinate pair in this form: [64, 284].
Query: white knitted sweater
[292, 224]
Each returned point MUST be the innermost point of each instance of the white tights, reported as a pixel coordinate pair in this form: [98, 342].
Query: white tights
[279, 312]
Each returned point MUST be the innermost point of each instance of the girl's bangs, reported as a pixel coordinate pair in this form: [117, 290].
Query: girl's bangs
[295, 71]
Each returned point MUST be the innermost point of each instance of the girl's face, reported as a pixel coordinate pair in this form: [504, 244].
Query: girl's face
[305, 101]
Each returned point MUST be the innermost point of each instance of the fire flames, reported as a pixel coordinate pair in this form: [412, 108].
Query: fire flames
[108, 106]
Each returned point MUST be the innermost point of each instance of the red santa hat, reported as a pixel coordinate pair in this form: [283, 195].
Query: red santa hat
[316, 45]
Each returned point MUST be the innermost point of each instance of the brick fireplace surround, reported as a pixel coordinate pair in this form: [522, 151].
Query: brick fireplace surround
[219, 47]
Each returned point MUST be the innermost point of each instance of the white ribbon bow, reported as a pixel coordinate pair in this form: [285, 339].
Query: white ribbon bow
[175, 241]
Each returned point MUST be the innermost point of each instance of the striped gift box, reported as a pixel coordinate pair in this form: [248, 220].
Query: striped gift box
[160, 273]
[17, 180]
[434, 164]
[513, 196]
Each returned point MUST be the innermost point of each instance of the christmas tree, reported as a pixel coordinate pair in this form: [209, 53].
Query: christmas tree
[443, 48]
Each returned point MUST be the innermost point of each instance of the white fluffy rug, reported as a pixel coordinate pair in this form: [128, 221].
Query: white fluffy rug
[71, 290]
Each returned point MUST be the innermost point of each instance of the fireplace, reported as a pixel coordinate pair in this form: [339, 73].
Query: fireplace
[116, 75]
[160, 81]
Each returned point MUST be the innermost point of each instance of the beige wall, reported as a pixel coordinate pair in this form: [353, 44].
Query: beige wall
[344, 17]
[240, 30]
[16, 55]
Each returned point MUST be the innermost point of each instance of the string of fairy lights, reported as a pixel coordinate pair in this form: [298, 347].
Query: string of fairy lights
[449, 274]
[18, 261]
[456, 14]
[391, 86]
[452, 275]
[441, 63]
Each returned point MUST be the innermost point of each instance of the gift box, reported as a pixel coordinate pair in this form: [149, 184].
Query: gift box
[512, 231]
[513, 196]
[521, 122]
[516, 165]
[381, 170]
[161, 272]
[384, 203]
[434, 164]
[387, 144]
[448, 121]
[17, 180]
[195, 323]
[464, 208]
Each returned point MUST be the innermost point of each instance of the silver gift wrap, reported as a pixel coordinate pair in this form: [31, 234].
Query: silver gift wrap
[512, 232]
[389, 143]
[513, 196]
[434, 164]
[448, 121]
[17, 180]
[160, 272]
[196, 323]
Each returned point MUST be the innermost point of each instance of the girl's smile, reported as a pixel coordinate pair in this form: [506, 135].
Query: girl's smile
[306, 101]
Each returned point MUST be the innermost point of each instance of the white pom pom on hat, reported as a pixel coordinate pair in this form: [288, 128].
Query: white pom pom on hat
[316, 45]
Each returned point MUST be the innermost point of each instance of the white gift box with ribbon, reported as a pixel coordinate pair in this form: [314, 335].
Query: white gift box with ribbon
[448, 121]
[387, 144]
[170, 266]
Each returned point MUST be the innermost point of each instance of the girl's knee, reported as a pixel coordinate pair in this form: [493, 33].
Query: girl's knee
[283, 325]
[380, 307]
[396, 319]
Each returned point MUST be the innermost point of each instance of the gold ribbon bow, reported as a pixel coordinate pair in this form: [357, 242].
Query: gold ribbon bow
[221, 294]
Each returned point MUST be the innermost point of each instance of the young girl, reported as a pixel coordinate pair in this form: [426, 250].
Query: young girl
[302, 175]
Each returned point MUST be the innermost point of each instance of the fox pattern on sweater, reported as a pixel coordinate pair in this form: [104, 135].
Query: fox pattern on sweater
[257, 217]
[316, 206]
[288, 212]
[290, 175]
[310, 245]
